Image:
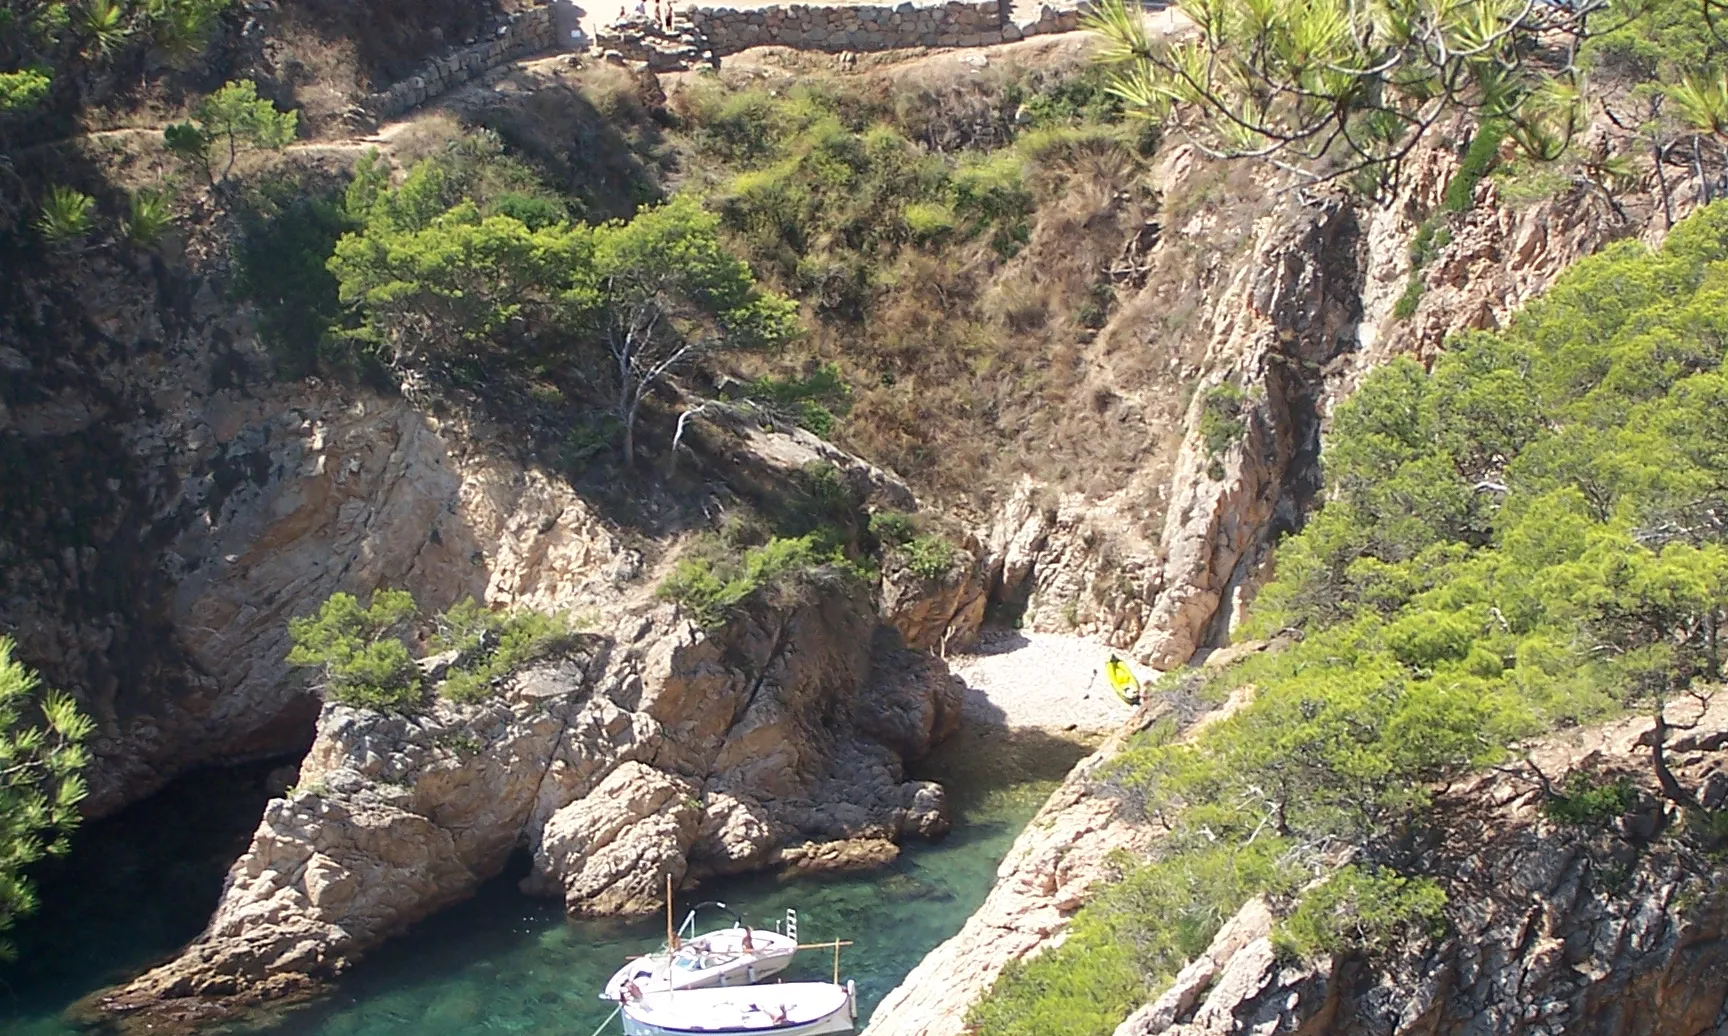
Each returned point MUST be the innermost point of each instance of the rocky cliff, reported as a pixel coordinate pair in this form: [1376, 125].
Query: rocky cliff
[652, 751]
[1164, 564]
[187, 505]
[1612, 929]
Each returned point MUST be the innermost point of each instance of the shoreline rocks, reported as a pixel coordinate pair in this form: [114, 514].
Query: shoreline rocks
[653, 751]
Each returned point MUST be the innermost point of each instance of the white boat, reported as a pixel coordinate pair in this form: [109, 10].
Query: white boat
[783, 1008]
[735, 956]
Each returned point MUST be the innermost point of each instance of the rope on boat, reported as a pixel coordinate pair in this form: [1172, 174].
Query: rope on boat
[609, 1018]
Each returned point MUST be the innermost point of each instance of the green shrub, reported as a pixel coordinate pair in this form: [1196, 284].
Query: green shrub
[746, 126]
[1526, 182]
[929, 557]
[1431, 237]
[587, 440]
[992, 192]
[928, 222]
[1589, 802]
[1479, 159]
[149, 213]
[1221, 422]
[1063, 145]
[710, 584]
[1405, 307]
[494, 644]
[810, 401]
[1086, 97]
[67, 215]
[22, 89]
[536, 211]
[1128, 942]
[893, 528]
[360, 651]
[821, 501]
[1361, 911]
[103, 25]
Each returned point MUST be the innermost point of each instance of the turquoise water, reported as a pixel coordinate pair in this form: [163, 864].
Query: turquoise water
[504, 962]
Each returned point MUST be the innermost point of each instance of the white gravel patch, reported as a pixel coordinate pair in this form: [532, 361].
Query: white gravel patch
[1044, 680]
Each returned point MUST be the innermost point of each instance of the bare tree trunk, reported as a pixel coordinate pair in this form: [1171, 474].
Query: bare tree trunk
[1662, 185]
[1698, 171]
[1671, 788]
[1712, 631]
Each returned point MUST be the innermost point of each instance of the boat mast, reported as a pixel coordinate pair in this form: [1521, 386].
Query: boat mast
[671, 932]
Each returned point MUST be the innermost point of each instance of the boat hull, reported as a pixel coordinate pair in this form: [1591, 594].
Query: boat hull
[782, 1009]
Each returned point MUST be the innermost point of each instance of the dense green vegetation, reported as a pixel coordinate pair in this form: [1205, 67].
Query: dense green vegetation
[1221, 425]
[1529, 535]
[469, 260]
[42, 752]
[364, 657]
[714, 578]
[491, 645]
[41, 39]
[928, 555]
[361, 651]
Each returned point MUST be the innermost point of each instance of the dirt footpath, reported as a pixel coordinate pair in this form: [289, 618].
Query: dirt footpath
[1045, 680]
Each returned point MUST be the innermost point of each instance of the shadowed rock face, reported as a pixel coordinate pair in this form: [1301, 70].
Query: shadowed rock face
[186, 504]
[653, 751]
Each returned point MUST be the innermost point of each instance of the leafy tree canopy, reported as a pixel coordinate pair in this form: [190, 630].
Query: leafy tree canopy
[230, 120]
[361, 652]
[452, 265]
[41, 38]
[42, 752]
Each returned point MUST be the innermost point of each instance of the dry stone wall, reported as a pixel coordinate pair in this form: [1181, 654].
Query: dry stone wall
[958, 23]
[709, 32]
[526, 32]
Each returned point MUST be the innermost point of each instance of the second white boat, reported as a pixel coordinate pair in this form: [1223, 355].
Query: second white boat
[784, 1008]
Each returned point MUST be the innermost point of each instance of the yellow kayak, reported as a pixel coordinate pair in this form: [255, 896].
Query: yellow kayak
[1122, 680]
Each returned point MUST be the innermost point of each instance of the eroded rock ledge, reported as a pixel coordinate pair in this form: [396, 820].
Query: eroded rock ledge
[652, 750]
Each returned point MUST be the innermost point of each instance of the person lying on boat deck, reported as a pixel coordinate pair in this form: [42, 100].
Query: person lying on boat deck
[779, 1016]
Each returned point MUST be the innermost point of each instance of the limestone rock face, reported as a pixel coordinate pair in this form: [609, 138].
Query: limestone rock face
[1163, 565]
[653, 750]
[214, 503]
[941, 614]
[913, 703]
[613, 848]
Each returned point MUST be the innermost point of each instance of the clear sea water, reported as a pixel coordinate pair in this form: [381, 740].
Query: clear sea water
[142, 883]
